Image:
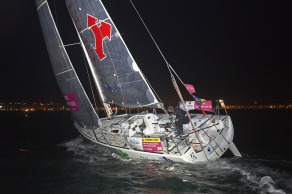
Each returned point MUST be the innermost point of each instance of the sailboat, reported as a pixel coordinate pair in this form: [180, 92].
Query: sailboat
[146, 135]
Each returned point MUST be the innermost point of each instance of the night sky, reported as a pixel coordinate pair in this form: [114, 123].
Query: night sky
[236, 50]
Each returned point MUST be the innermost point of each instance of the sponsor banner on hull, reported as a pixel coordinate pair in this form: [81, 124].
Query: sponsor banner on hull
[152, 144]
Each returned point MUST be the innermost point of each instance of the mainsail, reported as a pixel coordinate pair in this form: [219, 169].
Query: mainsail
[74, 94]
[118, 78]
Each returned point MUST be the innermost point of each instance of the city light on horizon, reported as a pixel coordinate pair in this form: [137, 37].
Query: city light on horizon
[51, 106]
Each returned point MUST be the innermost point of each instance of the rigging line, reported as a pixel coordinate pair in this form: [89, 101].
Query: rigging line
[58, 37]
[175, 73]
[89, 81]
[154, 92]
[56, 20]
[63, 51]
[114, 67]
[149, 32]
[156, 47]
[169, 70]
[112, 62]
[100, 92]
[168, 65]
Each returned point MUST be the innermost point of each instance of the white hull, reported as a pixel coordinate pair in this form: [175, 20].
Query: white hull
[216, 138]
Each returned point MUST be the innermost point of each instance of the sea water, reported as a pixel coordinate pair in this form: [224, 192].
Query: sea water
[42, 152]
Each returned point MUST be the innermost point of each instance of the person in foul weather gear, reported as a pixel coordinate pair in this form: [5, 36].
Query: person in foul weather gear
[180, 119]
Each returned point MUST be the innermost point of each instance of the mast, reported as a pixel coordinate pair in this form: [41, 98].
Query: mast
[106, 106]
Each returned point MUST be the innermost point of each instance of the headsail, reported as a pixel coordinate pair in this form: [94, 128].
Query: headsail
[74, 94]
[118, 77]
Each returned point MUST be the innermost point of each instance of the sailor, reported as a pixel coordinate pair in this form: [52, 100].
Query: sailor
[180, 119]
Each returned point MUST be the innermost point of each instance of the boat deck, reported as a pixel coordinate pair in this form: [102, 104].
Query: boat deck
[171, 145]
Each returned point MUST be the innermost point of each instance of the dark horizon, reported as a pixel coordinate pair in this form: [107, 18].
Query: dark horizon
[236, 51]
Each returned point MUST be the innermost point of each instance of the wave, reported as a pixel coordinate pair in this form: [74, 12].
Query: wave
[254, 174]
[225, 175]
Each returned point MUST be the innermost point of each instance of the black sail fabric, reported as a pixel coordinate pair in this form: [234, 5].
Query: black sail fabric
[118, 77]
[71, 88]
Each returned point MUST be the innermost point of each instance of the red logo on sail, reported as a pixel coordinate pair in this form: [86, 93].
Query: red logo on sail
[101, 30]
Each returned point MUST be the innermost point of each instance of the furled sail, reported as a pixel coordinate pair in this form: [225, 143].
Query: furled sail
[74, 94]
[118, 77]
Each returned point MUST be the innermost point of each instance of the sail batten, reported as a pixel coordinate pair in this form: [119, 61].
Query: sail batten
[64, 72]
[119, 79]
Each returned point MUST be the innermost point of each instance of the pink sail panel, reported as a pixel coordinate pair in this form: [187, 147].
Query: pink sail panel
[71, 101]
